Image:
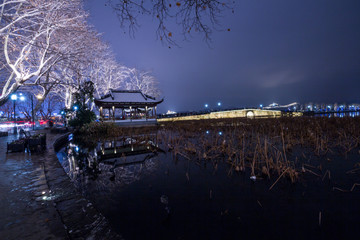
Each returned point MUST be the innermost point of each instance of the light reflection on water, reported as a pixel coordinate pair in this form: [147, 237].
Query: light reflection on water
[338, 114]
[109, 166]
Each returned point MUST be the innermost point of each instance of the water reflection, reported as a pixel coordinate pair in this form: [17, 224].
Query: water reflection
[339, 114]
[111, 163]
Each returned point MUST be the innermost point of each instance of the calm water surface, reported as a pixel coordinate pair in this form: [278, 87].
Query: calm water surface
[147, 193]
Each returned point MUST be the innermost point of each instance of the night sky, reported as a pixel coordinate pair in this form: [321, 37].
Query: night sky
[277, 51]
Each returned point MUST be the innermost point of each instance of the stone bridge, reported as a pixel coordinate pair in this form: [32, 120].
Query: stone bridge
[243, 113]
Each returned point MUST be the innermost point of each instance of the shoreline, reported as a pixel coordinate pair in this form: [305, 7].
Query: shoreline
[58, 210]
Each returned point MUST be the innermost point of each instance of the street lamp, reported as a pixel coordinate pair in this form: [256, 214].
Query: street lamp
[63, 115]
[39, 97]
[14, 97]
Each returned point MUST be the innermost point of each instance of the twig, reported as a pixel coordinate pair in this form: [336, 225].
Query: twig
[308, 170]
[339, 189]
[278, 179]
[328, 173]
[353, 187]
[353, 170]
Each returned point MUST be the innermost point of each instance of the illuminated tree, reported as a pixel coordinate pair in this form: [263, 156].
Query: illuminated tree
[36, 36]
[49, 49]
[140, 80]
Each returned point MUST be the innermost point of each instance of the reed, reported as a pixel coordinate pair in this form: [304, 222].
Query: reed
[272, 148]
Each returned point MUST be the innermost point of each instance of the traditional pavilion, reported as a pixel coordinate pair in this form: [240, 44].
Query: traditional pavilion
[127, 105]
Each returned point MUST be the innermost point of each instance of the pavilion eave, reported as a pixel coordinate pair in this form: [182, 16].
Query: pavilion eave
[126, 104]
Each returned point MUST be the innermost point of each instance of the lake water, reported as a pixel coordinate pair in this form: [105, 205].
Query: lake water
[147, 193]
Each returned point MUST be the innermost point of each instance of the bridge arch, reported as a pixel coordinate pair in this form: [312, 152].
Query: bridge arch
[250, 114]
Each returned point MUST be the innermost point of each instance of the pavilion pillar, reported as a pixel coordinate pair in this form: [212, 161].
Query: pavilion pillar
[113, 111]
[155, 113]
[101, 113]
[152, 112]
[130, 113]
[146, 113]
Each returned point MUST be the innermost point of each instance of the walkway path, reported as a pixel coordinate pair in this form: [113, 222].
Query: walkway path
[38, 201]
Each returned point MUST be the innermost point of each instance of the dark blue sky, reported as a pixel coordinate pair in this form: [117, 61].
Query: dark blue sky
[277, 51]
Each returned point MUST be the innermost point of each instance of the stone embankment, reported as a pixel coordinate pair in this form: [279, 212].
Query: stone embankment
[39, 201]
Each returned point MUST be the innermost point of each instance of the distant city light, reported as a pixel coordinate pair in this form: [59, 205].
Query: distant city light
[261, 105]
[219, 104]
[13, 97]
[170, 112]
[75, 108]
[22, 98]
[207, 132]
[220, 133]
[206, 105]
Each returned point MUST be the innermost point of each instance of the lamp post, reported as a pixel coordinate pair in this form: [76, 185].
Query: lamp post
[38, 97]
[63, 115]
[32, 112]
[206, 107]
[14, 97]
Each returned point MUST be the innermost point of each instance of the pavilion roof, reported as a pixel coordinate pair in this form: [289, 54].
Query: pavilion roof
[126, 98]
